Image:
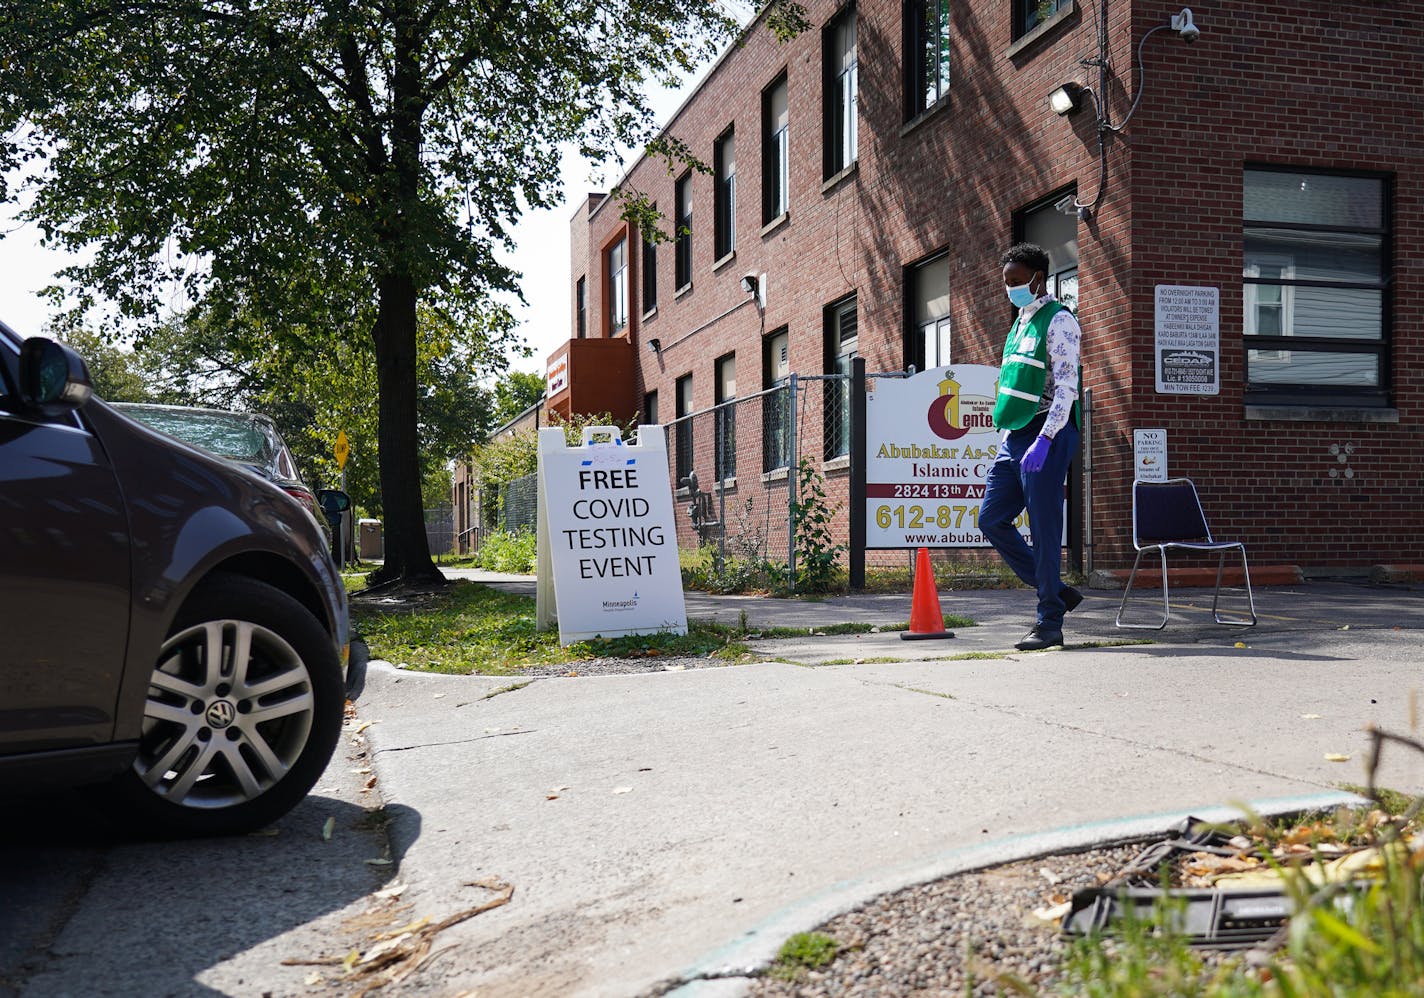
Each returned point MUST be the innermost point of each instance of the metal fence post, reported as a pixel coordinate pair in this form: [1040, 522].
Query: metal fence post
[791, 485]
[857, 473]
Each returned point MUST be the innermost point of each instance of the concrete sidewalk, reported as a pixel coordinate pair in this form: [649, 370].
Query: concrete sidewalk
[673, 828]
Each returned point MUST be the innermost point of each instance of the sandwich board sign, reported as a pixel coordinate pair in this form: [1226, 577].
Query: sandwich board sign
[607, 541]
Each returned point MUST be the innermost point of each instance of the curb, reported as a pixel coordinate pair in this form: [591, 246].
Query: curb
[728, 971]
[1397, 573]
[1148, 578]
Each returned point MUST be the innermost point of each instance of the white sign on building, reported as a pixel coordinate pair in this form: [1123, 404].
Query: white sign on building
[930, 442]
[607, 542]
[1149, 455]
[1188, 340]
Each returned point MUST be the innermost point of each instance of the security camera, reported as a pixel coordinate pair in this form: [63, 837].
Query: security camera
[1183, 25]
[749, 282]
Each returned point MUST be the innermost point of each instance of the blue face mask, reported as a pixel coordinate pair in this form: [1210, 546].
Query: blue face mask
[1021, 295]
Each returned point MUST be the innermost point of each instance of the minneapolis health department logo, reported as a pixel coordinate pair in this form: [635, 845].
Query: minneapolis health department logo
[620, 605]
[951, 415]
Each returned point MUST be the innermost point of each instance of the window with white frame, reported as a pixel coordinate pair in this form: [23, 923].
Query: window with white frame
[776, 404]
[682, 439]
[929, 313]
[775, 156]
[1029, 14]
[726, 421]
[1315, 273]
[650, 273]
[841, 350]
[617, 270]
[927, 54]
[682, 249]
[724, 236]
[841, 91]
[1053, 224]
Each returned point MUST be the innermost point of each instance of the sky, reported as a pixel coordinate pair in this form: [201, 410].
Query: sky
[542, 255]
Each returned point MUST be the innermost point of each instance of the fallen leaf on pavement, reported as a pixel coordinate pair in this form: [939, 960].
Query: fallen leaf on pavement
[393, 891]
[327, 828]
[622, 790]
[1336, 757]
[378, 862]
[1310, 717]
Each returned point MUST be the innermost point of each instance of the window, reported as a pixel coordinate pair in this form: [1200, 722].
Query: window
[1315, 316]
[1029, 14]
[724, 199]
[776, 405]
[838, 44]
[617, 270]
[1056, 230]
[840, 351]
[683, 249]
[776, 166]
[927, 54]
[683, 438]
[929, 313]
[726, 423]
[650, 273]
[580, 309]
[650, 408]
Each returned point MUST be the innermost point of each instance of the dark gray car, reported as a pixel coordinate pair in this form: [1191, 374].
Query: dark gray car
[171, 627]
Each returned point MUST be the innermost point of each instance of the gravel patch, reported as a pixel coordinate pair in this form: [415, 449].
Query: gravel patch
[954, 936]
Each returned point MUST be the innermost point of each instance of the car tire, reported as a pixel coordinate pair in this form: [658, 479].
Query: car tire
[230, 747]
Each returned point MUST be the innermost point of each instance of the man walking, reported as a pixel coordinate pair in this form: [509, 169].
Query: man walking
[1037, 410]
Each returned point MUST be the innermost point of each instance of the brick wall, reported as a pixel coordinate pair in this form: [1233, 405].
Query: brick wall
[1314, 84]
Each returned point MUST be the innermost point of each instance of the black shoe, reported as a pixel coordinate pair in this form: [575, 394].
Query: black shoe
[1040, 638]
[1071, 599]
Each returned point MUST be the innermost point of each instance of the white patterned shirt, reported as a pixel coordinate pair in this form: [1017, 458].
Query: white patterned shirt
[1060, 390]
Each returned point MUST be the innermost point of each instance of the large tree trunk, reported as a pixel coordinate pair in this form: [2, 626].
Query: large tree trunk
[407, 548]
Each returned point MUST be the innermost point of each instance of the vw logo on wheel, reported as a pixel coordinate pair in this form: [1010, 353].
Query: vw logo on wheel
[221, 713]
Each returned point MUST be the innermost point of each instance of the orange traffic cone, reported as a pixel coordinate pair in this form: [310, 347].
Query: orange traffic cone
[926, 619]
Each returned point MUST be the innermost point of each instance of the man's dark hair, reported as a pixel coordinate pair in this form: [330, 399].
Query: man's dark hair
[1031, 255]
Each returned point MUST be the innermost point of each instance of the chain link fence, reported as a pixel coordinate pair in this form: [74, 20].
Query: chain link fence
[733, 472]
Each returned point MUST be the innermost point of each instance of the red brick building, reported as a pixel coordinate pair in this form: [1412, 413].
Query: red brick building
[867, 174]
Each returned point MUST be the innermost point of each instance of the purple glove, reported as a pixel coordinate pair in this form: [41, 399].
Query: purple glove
[1036, 454]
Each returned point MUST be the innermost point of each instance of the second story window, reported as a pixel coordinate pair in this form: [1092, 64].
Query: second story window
[650, 274]
[618, 287]
[1029, 14]
[725, 199]
[580, 309]
[927, 54]
[776, 165]
[682, 275]
[841, 92]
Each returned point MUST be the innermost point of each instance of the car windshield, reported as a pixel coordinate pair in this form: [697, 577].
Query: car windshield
[235, 436]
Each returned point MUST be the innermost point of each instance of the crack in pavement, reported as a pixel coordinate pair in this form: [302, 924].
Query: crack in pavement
[458, 741]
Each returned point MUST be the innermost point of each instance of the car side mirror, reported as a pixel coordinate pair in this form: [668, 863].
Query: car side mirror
[332, 501]
[54, 379]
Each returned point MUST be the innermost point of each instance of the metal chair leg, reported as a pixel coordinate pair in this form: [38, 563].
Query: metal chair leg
[1127, 592]
[1246, 578]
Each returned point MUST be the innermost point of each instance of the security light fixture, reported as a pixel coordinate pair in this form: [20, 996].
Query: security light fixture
[1183, 25]
[655, 345]
[1066, 99]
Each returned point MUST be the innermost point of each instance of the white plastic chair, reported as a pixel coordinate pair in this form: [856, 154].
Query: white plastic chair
[1167, 515]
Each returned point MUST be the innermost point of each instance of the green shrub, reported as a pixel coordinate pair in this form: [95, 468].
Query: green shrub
[515, 553]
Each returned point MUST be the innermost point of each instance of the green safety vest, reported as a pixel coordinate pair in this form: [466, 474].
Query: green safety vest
[1023, 374]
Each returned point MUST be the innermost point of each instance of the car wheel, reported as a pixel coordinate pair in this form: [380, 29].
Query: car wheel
[243, 713]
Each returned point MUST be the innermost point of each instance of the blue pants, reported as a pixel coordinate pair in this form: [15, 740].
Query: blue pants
[1009, 491]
